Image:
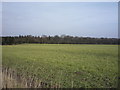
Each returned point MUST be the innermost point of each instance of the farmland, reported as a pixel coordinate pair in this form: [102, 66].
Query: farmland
[64, 65]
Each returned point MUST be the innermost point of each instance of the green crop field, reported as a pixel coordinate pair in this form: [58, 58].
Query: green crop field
[65, 65]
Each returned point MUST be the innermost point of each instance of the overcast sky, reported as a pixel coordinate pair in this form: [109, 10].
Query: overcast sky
[91, 19]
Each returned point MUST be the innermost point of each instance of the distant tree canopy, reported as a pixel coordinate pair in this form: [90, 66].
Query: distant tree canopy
[63, 39]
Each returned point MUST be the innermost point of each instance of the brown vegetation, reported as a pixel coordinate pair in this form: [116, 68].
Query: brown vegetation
[13, 80]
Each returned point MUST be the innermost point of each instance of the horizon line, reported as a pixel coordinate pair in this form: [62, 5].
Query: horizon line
[56, 35]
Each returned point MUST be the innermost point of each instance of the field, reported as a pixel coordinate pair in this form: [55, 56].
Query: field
[64, 65]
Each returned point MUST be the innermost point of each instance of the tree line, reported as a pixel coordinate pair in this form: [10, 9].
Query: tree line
[63, 39]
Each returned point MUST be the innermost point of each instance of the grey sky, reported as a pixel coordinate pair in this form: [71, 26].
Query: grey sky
[92, 19]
